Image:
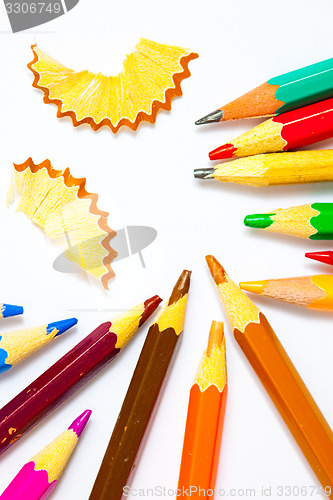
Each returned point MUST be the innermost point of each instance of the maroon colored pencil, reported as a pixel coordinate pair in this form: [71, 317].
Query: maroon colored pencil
[326, 257]
[69, 373]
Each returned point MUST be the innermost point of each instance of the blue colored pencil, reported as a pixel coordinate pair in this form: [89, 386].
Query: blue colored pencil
[19, 344]
[7, 310]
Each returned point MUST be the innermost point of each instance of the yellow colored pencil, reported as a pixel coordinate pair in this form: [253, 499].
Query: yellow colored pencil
[275, 168]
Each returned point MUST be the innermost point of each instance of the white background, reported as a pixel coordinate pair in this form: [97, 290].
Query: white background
[145, 178]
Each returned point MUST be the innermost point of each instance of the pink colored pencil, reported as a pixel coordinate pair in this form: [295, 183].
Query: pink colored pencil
[38, 477]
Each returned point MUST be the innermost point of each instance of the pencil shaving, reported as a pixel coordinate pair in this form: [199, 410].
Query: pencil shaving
[150, 78]
[60, 205]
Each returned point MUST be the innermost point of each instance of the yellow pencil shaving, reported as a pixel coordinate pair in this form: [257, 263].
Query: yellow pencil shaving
[149, 80]
[67, 213]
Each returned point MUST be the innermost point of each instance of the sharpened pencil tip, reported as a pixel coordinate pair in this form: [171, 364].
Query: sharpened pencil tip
[216, 269]
[222, 152]
[181, 288]
[215, 116]
[258, 221]
[61, 326]
[204, 173]
[150, 305]
[216, 336]
[326, 257]
[80, 422]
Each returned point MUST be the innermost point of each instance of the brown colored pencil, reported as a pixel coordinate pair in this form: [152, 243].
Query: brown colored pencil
[278, 375]
[142, 394]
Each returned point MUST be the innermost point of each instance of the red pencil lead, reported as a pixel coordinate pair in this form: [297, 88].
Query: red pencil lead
[326, 256]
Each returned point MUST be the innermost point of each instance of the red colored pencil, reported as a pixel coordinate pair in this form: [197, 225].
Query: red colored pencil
[326, 256]
[291, 130]
[70, 372]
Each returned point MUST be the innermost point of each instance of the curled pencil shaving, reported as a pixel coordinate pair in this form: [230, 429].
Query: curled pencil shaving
[150, 79]
[60, 205]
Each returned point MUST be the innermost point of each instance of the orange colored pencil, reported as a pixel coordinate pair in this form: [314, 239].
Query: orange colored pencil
[278, 375]
[204, 424]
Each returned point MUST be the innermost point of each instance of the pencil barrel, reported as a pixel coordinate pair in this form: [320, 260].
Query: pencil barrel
[135, 414]
[56, 384]
[290, 395]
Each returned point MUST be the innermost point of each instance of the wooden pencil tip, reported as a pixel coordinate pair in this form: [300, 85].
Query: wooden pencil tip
[181, 288]
[216, 336]
[216, 270]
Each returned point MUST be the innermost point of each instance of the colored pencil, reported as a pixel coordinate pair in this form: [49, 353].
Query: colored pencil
[313, 292]
[38, 477]
[17, 345]
[7, 310]
[204, 423]
[314, 221]
[291, 130]
[278, 375]
[275, 168]
[70, 372]
[279, 94]
[149, 375]
[326, 256]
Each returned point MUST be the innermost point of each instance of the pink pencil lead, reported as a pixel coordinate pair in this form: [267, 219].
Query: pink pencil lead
[80, 422]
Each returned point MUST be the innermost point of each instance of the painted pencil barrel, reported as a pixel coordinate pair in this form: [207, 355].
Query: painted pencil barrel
[142, 395]
[56, 384]
[68, 374]
[304, 86]
[118, 460]
[290, 395]
[201, 447]
[8, 310]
